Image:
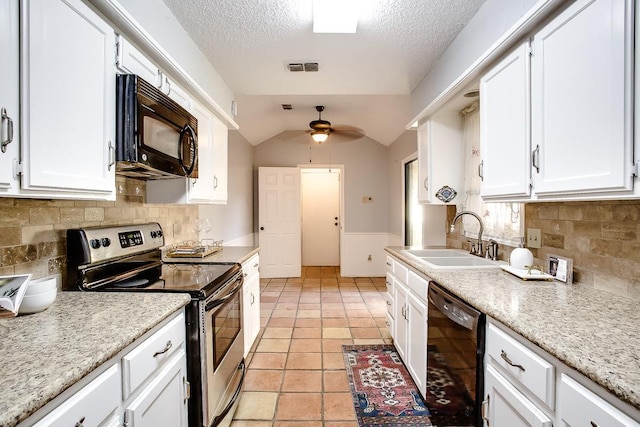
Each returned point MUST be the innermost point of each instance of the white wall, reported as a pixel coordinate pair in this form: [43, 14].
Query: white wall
[233, 222]
[491, 21]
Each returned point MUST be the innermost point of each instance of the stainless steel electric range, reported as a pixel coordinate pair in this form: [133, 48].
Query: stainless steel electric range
[128, 259]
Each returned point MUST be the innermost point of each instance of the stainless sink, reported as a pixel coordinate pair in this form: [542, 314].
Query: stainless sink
[450, 259]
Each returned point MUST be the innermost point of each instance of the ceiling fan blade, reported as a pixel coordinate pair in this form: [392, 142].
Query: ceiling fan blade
[346, 128]
[339, 135]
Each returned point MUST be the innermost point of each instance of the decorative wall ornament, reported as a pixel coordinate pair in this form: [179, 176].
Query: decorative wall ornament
[446, 194]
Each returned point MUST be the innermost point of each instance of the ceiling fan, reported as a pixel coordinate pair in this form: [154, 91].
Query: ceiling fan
[321, 129]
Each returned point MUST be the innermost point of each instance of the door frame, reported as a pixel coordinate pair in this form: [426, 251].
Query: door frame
[411, 157]
[341, 202]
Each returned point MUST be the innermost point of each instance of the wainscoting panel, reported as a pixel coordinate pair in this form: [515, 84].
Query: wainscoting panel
[356, 248]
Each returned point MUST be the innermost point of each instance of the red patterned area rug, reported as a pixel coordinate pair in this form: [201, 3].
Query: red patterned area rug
[383, 392]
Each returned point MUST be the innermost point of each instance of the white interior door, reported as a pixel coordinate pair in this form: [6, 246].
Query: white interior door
[320, 217]
[279, 222]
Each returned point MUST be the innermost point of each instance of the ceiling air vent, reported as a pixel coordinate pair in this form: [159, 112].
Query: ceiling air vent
[287, 106]
[295, 67]
[310, 66]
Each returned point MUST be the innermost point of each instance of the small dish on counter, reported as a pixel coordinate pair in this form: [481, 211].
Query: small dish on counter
[40, 294]
[532, 273]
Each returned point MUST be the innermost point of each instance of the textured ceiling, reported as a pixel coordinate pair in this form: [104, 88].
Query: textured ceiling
[249, 41]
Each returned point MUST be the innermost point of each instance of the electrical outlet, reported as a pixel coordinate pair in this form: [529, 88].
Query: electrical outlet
[534, 238]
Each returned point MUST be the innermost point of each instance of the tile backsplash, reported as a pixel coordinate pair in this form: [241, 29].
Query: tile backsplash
[602, 238]
[33, 231]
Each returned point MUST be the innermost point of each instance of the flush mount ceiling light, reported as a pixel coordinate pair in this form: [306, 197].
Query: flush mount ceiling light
[335, 16]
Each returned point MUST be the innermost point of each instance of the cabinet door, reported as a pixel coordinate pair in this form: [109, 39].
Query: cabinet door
[164, 401]
[96, 404]
[582, 99]
[505, 140]
[68, 108]
[9, 72]
[440, 156]
[220, 168]
[400, 322]
[202, 188]
[416, 360]
[505, 406]
[131, 61]
[176, 93]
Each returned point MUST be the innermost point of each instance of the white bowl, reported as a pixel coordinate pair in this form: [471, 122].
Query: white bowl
[43, 284]
[37, 302]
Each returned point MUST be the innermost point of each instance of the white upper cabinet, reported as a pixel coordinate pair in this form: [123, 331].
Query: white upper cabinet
[440, 158]
[505, 140]
[68, 100]
[130, 60]
[9, 102]
[220, 159]
[582, 112]
[176, 93]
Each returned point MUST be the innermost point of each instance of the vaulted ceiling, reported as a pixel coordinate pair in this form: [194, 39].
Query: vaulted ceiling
[364, 79]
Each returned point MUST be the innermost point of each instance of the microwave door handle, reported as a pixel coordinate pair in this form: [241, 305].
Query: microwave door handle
[191, 135]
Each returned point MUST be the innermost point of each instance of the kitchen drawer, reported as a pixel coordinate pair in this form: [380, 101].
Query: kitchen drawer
[578, 406]
[419, 285]
[95, 403]
[521, 365]
[389, 322]
[390, 265]
[389, 283]
[400, 271]
[388, 297]
[251, 266]
[149, 356]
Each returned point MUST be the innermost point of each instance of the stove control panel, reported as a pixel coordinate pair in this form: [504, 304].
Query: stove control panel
[130, 238]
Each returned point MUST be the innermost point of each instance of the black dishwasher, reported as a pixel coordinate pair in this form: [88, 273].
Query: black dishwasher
[455, 352]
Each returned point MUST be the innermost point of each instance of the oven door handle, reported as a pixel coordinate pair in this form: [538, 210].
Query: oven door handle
[218, 418]
[219, 301]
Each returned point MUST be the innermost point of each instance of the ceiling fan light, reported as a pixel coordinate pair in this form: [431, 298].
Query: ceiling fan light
[319, 136]
[335, 16]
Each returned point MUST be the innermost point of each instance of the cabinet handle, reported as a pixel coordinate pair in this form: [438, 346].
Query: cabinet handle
[7, 141]
[593, 424]
[535, 158]
[425, 184]
[215, 182]
[187, 390]
[504, 356]
[256, 265]
[80, 422]
[388, 264]
[168, 82]
[386, 322]
[389, 303]
[253, 298]
[481, 170]
[164, 350]
[112, 155]
[485, 406]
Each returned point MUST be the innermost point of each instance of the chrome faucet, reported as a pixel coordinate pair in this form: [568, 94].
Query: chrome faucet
[475, 250]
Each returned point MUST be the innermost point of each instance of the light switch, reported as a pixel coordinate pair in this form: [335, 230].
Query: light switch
[534, 238]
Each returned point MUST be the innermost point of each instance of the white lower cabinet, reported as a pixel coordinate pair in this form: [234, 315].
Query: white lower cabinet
[505, 406]
[525, 386]
[409, 330]
[156, 365]
[251, 301]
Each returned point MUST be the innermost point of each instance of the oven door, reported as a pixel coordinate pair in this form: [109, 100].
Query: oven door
[224, 352]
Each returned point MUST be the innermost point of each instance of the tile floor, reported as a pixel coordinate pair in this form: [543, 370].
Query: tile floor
[296, 374]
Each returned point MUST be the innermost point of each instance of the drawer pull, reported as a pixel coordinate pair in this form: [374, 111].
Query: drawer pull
[504, 356]
[386, 322]
[389, 264]
[485, 406]
[80, 422]
[593, 424]
[389, 303]
[164, 350]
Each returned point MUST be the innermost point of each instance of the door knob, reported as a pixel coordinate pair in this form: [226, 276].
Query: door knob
[261, 228]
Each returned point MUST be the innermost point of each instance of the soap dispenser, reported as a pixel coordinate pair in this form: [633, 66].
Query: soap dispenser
[521, 257]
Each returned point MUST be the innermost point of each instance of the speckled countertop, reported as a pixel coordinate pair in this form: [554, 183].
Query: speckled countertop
[43, 354]
[594, 332]
[237, 254]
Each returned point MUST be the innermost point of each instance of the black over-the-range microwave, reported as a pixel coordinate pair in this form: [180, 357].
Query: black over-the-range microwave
[155, 137]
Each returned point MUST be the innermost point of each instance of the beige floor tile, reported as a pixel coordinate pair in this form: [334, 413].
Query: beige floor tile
[302, 381]
[362, 322]
[333, 361]
[298, 424]
[307, 333]
[299, 406]
[338, 406]
[308, 314]
[263, 380]
[335, 323]
[365, 341]
[333, 306]
[282, 322]
[304, 361]
[273, 345]
[353, 313]
[256, 406]
[305, 345]
[284, 313]
[308, 323]
[357, 333]
[309, 306]
[334, 313]
[268, 361]
[335, 381]
[329, 333]
[273, 332]
[334, 345]
[236, 423]
[341, 423]
[355, 306]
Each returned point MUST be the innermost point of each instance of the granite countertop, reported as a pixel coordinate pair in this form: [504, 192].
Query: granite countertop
[43, 354]
[595, 332]
[228, 254]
